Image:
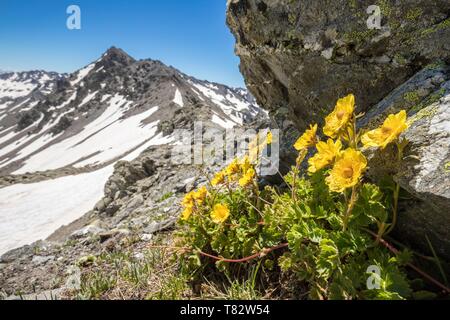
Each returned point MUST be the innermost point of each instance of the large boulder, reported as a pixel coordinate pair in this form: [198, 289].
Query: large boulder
[299, 57]
[425, 169]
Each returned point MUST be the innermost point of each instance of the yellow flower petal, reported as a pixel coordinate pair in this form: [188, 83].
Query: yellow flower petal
[248, 177]
[188, 200]
[391, 129]
[187, 213]
[338, 120]
[200, 195]
[232, 168]
[326, 154]
[245, 164]
[308, 139]
[269, 138]
[220, 213]
[218, 179]
[347, 171]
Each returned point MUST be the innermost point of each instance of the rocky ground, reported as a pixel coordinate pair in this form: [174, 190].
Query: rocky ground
[141, 199]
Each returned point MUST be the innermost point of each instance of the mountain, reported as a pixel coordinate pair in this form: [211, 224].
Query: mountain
[106, 110]
[61, 134]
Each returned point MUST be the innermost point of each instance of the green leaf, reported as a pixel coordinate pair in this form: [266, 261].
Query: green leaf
[328, 259]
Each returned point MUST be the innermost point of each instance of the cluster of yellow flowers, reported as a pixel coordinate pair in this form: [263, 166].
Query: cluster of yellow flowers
[347, 165]
[241, 171]
[194, 199]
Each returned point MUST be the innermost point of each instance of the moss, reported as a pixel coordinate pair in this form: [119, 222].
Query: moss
[166, 196]
[423, 114]
[353, 4]
[441, 26]
[357, 37]
[433, 98]
[412, 97]
[435, 65]
[447, 167]
[385, 7]
[413, 14]
[292, 18]
[401, 60]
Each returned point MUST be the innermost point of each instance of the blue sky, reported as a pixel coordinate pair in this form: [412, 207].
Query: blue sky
[190, 35]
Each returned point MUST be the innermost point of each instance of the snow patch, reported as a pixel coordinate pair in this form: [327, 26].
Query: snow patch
[29, 212]
[82, 73]
[178, 99]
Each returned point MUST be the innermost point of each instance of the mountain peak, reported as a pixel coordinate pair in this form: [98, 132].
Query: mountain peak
[117, 55]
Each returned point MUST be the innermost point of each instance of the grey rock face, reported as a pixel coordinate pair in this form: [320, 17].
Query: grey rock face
[299, 57]
[424, 172]
[426, 175]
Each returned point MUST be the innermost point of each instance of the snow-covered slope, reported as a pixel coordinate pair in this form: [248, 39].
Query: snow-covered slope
[111, 110]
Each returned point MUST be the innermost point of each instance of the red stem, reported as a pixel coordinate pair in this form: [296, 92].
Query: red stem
[419, 271]
[256, 255]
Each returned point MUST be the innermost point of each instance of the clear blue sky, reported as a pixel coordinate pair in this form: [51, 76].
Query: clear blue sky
[190, 35]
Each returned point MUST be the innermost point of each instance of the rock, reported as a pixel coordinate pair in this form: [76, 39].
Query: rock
[37, 260]
[127, 173]
[112, 209]
[159, 226]
[139, 256]
[25, 252]
[425, 174]
[144, 237]
[102, 204]
[299, 57]
[112, 233]
[90, 230]
[422, 173]
[135, 202]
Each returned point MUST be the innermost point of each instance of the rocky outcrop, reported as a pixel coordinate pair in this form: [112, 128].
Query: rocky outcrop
[425, 170]
[299, 57]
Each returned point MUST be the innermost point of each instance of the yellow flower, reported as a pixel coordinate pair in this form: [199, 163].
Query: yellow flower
[326, 154]
[269, 138]
[232, 168]
[347, 170]
[187, 213]
[338, 120]
[245, 164]
[219, 178]
[391, 129]
[188, 200]
[247, 178]
[308, 139]
[220, 213]
[200, 195]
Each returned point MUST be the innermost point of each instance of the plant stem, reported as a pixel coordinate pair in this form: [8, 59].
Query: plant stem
[298, 163]
[380, 234]
[400, 147]
[419, 271]
[350, 207]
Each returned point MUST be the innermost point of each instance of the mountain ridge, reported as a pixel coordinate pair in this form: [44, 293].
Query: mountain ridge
[74, 101]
